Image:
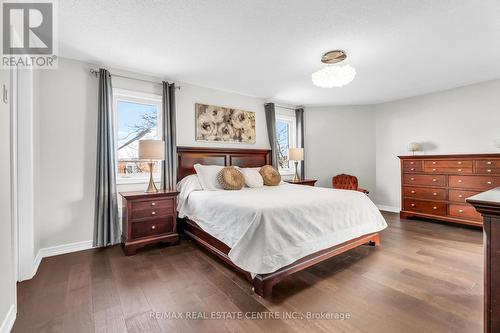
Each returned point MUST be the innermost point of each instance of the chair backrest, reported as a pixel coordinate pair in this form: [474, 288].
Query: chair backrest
[345, 182]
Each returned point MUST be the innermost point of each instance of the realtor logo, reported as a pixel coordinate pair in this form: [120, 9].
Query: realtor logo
[28, 34]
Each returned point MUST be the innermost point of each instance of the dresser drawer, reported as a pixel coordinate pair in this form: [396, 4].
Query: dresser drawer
[488, 171]
[460, 195]
[448, 164]
[152, 227]
[152, 208]
[412, 166]
[481, 183]
[426, 207]
[430, 180]
[425, 193]
[488, 164]
[466, 212]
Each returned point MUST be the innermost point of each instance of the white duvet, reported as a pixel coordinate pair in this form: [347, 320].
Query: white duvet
[270, 227]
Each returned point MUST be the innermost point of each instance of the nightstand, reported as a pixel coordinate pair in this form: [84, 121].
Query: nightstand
[309, 182]
[148, 218]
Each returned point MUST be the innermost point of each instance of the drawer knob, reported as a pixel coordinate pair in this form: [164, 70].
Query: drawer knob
[460, 180]
[413, 205]
[489, 163]
[459, 162]
[434, 208]
[153, 213]
[489, 183]
[412, 169]
[153, 204]
[459, 170]
[434, 180]
[434, 193]
[460, 210]
[153, 227]
[489, 170]
[433, 162]
[460, 196]
[412, 192]
[412, 163]
[412, 178]
[433, 169]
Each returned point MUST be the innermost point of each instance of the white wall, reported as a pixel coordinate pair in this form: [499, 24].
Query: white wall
[462, 120]
[66, 130]
[340, 140]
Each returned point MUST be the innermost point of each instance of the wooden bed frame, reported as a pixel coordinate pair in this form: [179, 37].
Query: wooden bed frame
[262, 283]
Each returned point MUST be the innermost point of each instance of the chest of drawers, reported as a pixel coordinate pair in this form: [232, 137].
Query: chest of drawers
[436, 186]
[148, 218]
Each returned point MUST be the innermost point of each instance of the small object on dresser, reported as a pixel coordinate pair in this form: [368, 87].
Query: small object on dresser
[151, 150]
[296, 155]
[414, 146]
[148, 218]
[308, 182]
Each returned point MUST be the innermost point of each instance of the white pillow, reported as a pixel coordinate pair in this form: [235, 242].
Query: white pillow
[207, 175]
[252, 177]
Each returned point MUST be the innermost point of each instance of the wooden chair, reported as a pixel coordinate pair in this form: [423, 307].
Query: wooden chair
[347, 182]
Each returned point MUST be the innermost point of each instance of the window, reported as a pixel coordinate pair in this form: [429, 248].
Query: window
[285, 137]
[137, 116]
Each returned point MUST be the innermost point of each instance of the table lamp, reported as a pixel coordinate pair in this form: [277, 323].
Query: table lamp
[151, 150]
[296, 154]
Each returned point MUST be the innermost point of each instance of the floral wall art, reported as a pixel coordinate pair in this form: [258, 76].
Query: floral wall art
[217, 123]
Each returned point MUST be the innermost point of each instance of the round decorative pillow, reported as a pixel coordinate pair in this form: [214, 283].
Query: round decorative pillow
[231, 178]
[270, 175]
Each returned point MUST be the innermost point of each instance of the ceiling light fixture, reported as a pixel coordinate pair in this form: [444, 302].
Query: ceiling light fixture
[333, 75]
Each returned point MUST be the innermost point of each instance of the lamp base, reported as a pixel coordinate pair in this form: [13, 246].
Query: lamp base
[152, 186]
[296, 178]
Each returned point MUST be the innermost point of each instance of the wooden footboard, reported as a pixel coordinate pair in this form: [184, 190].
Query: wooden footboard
[263, 283]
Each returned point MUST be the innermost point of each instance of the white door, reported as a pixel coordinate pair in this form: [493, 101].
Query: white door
[7, 283]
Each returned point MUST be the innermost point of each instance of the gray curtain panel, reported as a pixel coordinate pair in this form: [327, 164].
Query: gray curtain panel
[271, 131]
[169, 165]
[106, 221]
[299, 119]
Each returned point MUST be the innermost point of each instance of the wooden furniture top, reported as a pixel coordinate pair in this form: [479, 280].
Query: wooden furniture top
[187, 157]
[300, 181]
[487, 202]
[451, 156]
[131, 195]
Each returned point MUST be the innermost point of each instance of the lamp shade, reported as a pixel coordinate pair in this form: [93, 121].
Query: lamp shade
[151, 150]
[414, 146]
[296, 154]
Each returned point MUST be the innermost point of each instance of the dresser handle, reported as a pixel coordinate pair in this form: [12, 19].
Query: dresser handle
[460, 196]
[413, 205]
[434, 193]
[153, 213]
[433, 162]
[459, 162]
[153, 204]
[433, 169]
[434, 208]
[460, 210]
[489, 163]
[460, 180]
[412, 178]
[412, 169]
[489, 170]
[153, 227]
[412, 192]
[489, 183]
[434, 180]
[459, 170]
[412, 163]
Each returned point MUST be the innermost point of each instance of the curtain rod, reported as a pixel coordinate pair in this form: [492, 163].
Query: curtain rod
[95, 72]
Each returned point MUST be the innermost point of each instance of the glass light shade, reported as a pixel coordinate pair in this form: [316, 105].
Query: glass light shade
[151, 150]
[333, 76]
[296, 154]
[414, 146]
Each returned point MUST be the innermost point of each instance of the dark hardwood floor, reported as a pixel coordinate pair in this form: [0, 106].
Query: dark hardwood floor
[425, 277]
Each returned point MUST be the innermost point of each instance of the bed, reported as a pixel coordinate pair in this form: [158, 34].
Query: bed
[269, 233]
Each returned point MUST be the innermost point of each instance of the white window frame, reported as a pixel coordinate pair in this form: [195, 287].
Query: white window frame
[138, 98]
[290, 119]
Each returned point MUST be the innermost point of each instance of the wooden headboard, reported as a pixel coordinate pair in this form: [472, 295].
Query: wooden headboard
[187, 157]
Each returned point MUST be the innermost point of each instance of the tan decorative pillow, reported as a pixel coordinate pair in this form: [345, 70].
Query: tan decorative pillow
[231, 178]
[270, 175]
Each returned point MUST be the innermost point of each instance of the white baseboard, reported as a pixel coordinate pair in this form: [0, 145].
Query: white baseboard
[8, 321]
[392, 209]
[57, 250]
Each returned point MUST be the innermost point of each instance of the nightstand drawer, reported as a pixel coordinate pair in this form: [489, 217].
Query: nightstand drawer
[151, 228]
[152, 209]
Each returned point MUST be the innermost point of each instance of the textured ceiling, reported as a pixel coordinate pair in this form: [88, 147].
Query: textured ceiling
[268, 49]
